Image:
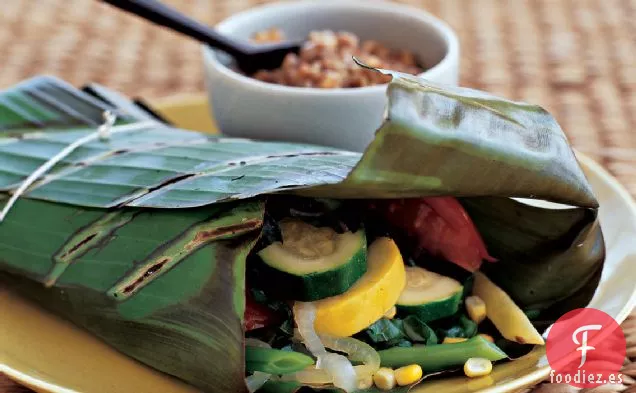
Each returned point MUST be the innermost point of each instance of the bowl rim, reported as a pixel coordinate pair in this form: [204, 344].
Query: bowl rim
[448, 35]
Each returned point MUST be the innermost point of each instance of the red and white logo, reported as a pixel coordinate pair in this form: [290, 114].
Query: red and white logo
[586, 348]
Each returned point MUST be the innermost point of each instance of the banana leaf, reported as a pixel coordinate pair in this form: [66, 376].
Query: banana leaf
[142, 239]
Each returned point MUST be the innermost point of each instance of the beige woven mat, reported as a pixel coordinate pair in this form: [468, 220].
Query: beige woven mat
[577, 58]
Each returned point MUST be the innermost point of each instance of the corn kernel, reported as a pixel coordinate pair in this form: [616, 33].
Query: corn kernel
[408, 374]
[476, 308]
[487, 337]
[391, 313]
[384, 378]
[477, 367]
[453, 340]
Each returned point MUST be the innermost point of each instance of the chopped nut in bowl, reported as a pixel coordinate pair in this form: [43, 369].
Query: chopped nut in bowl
[326, 61]
[320, 95]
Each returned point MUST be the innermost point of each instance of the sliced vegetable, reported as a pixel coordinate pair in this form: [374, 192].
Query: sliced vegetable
[331, 367]
[476, 308]
[428, 295]
[440, 357]
[341, 371]
[441, 226]
[384, 379]
[369, 298]
[507, 317]
[275, 361]
[313, 263]
[310, 376]
[477, 367]
[408, 374]
[256, 381]
[391, 313]
[356, 351]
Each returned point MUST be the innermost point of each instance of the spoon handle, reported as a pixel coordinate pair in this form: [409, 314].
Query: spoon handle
[161, 14]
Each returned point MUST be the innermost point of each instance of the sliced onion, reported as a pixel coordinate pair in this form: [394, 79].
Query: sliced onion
[341, 370]
[310, 376]
[338, 367]
[257, 379]
[358, 351]
[331, 367]
[305, 316]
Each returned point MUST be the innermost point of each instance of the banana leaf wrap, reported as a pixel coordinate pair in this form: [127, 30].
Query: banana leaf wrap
[142, 239]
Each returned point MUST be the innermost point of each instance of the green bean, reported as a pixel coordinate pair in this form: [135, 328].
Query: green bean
[275, 361]
[442, 356]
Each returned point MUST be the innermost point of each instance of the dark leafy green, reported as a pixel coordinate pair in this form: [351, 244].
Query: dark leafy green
[387, 333]
[278, 336]
[418, 331]
[457, 326]
[470, 327]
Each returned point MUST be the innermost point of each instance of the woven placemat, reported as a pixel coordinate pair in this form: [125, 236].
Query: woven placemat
[576, 58]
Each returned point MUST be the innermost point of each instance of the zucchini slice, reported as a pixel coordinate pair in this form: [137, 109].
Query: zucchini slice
[429, 295]
[313, 263]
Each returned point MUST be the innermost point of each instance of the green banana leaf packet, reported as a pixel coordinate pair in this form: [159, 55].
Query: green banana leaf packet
[142, 239]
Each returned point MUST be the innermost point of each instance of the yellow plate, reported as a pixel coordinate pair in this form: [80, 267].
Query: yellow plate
[50, 355]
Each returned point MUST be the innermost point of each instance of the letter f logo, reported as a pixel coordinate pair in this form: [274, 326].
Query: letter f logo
[583, 344]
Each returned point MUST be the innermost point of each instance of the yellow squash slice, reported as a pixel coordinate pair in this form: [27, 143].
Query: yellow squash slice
[507, 317]
[369, 298]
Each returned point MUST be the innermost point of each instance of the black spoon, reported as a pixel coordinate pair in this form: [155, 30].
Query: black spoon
[249, 57]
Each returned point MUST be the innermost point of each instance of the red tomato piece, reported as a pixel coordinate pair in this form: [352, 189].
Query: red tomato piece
[257, 315]
[441, 226]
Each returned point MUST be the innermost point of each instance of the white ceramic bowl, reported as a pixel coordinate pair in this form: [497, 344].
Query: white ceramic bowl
[345, 118]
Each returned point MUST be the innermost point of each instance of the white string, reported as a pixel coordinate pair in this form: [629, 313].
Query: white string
[103, 133]
[104, 130]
